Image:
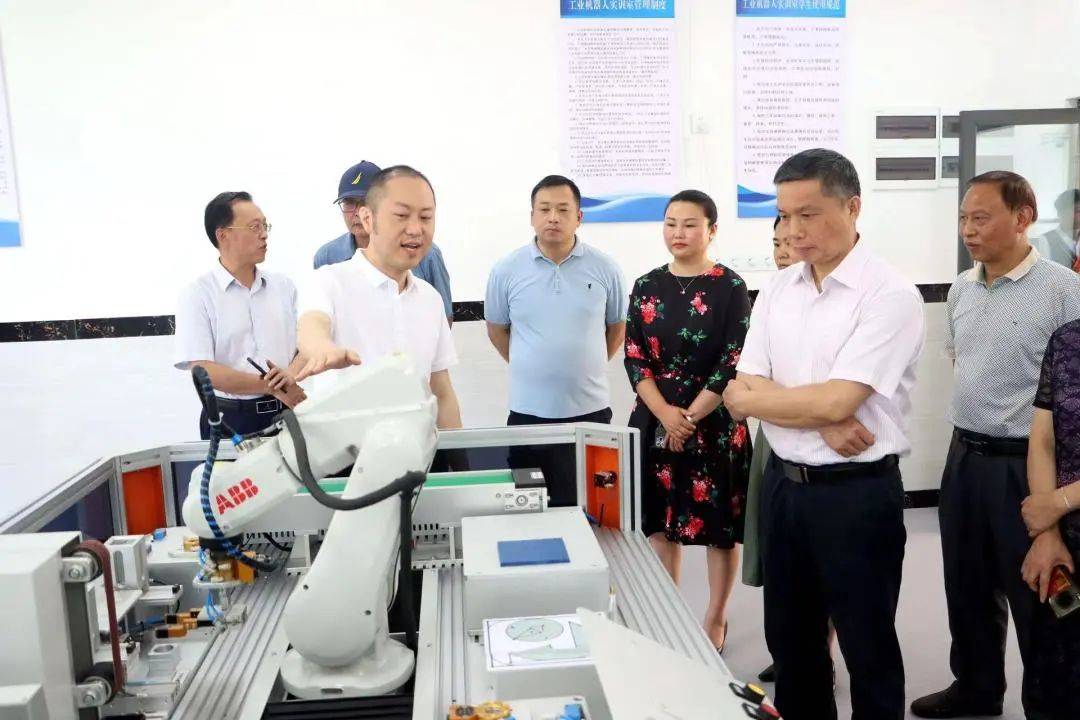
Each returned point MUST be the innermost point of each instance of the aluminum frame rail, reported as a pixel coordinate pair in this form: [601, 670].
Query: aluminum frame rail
[646, 601]
[649, 603]
[222, 683]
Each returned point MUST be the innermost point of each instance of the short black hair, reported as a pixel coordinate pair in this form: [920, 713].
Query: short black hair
[1016, 191]
[378, 184]
[556, 181]
[698, 198]
[219, 212]
[835, 172]
[776, 222]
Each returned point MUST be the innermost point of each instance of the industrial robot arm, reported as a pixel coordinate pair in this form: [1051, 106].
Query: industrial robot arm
[381, 419]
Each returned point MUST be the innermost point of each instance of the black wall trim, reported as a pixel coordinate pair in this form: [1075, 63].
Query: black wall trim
[120, 327]
[469, 311]
[87, 329]
[936, 293]
[921, 499]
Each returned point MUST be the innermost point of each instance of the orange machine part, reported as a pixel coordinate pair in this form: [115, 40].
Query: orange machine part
[144, 501]
[602, 502]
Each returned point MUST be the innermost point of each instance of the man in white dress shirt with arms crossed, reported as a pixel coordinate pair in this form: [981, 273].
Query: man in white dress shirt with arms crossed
[828, 366]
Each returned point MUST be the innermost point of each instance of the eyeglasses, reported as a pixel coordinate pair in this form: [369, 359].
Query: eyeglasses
[350, 205]
[255, 227]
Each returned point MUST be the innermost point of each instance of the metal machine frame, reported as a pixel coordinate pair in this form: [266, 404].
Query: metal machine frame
[240, 673]
[39, 513]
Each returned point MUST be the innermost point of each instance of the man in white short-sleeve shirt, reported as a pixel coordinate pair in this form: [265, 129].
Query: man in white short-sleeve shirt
[372, 305]
[828, 367]
[235, 312]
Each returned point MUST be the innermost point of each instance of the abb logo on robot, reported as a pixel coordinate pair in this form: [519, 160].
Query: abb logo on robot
[237, 495]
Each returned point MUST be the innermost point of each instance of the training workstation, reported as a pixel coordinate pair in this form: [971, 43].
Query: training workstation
[653, 376]
[386, 592]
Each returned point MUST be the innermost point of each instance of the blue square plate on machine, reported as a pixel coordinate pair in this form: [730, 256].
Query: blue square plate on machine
[542, 551]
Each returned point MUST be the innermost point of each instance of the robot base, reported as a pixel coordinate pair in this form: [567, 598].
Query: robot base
[389, 670]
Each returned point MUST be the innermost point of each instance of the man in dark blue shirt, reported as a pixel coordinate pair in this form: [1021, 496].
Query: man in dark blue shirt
[352, 189]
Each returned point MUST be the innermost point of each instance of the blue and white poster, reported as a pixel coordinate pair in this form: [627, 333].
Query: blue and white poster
[9, 196]
[621, 137]
[790, 90]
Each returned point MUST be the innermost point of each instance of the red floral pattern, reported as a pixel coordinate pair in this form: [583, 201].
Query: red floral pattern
[700, 489]
[686, 343]
[648, 310]
[693, 526]
[698, 304]
[664, 476]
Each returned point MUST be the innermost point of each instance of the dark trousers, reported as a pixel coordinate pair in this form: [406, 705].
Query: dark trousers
[244, 416]
[983, 544]
[834, 549]
[557, 462]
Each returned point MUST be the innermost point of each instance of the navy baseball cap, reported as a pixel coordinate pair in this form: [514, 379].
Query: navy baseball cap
[356, 180]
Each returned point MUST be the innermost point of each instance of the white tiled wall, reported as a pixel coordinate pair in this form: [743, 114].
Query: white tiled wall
[929, 432]
[67, 403]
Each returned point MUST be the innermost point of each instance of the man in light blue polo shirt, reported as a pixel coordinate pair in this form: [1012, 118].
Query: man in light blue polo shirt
[556, 311]
[352, 189]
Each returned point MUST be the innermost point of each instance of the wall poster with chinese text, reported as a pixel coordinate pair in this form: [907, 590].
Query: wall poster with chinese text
[621, 135]
[790, 88]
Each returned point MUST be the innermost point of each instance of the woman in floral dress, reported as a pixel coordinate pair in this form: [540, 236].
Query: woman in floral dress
[684, 333]
[1052, 515]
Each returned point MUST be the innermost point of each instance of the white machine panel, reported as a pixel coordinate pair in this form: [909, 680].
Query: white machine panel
[168, 563]
[495, 591]
[644, 680]
[34, 635]
[449, 497]
[445, 499]
[128, 553]
[551, 708]
[545, 655]
[22, 702]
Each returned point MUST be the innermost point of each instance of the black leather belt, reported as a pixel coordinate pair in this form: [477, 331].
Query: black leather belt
[264, 405]
[803, 474]
[987, 445]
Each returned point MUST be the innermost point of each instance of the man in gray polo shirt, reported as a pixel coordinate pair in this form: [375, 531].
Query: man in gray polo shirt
[1000, 315]
[556, 311]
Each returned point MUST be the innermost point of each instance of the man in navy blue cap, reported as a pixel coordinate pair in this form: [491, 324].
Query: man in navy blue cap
[352, 190]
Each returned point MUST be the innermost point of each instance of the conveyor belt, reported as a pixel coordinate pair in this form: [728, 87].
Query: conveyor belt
[222, 682]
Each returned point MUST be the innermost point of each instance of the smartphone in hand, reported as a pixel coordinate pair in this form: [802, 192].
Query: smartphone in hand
[282, 386]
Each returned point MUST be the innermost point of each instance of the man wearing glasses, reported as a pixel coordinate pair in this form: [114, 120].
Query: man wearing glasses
[236, 312]
[352, 191]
